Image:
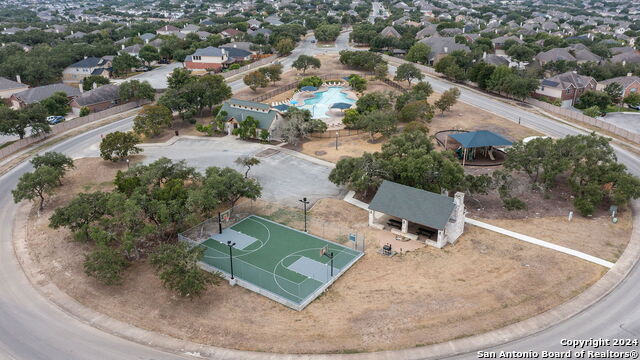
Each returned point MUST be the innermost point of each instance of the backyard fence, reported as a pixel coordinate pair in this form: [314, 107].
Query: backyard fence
[578, 116]
[68, 125]
[253, 65]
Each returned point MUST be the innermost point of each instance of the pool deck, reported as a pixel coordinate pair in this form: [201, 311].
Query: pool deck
[334, 119]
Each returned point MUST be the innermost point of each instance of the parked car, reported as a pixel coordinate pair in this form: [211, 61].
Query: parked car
[635, 107]
[52, 120]
[163, 61]
[143, 69]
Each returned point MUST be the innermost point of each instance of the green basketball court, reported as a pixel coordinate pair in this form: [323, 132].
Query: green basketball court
[277, 261]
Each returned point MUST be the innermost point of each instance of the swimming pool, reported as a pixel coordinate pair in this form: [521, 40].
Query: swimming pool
[323, 100]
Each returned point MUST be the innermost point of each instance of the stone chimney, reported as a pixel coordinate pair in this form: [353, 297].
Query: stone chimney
[446, 50]
[484, 54]
[629, 74]
[80, 88]
[71, 32]
[85, 56]
[122, 46]
[95, 85]
[18, 79]
[521, 36]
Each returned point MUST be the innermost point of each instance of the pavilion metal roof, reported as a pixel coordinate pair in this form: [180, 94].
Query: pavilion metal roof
[414, 205]
[480, 138]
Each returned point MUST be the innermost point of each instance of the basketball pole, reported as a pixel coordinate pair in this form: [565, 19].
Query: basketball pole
[219, 223]
[305, 202]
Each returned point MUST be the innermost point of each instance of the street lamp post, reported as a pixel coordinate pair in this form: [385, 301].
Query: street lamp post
[127, 163]
[231, 245]
[337, 134]
[305, 202]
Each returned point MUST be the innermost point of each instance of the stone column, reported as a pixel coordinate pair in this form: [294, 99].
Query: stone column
[372, 217]
[405, 226]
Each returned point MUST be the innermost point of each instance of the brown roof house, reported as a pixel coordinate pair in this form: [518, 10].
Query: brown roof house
[630, 84]
[566, 87]
[98, 99]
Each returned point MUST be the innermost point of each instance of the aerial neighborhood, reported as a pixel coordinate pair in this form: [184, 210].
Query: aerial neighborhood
[265, 179]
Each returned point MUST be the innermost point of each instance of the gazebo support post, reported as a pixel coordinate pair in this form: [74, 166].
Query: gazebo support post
[464, 156]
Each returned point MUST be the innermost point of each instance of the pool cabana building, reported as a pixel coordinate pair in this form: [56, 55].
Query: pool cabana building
[417, 214]
[239, 110]
[475, 141]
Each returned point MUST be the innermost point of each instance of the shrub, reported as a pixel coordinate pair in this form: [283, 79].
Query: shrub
[513, 203]
[84, 111]
[310, 81]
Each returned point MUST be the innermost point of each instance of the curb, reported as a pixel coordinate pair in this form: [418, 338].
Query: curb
[513, 332]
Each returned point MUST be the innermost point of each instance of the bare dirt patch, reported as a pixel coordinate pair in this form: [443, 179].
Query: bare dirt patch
[484, 282]
[467, 117]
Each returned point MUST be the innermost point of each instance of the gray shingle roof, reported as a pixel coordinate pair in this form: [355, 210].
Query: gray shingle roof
[89, 62]
[415, 205]
[438, 45]
[209, 51]
[99, 95]
[37, 94]
[567, 79]
[6, 84]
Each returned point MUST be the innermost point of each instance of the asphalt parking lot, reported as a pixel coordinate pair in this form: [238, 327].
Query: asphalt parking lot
[285, 178]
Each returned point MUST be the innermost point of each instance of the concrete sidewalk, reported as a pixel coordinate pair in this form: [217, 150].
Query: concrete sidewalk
[542, 243]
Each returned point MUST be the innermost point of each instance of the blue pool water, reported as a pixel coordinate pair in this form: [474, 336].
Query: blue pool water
[323, 100]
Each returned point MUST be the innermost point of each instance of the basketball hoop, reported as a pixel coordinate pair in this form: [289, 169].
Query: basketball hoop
[324, 250]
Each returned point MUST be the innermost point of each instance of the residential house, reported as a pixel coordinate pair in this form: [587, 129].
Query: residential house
[265, 32]
[10, 87]
[428, 30]
[273, 20]
[552, 55]
[207, 59]
[498, 43]
[631, 57]
[34, 95]
[389, 31]
[75, 36]
[254, 24]
[133, 50]
[167, 30]
[231, 33]
[630, 84]
[441, 47]
[566, 87]
[76, 72]
[239, 110]
[189, 28]
[237, 55]
[98, 99]
[147, 37]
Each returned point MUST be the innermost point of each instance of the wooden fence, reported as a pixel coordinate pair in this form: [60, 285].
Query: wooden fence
[68, 125]
[578, 116]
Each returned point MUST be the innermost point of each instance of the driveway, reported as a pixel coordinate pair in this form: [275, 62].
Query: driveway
[628, 121]
[285, 178]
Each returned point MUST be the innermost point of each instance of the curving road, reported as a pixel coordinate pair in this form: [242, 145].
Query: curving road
[33, 328]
